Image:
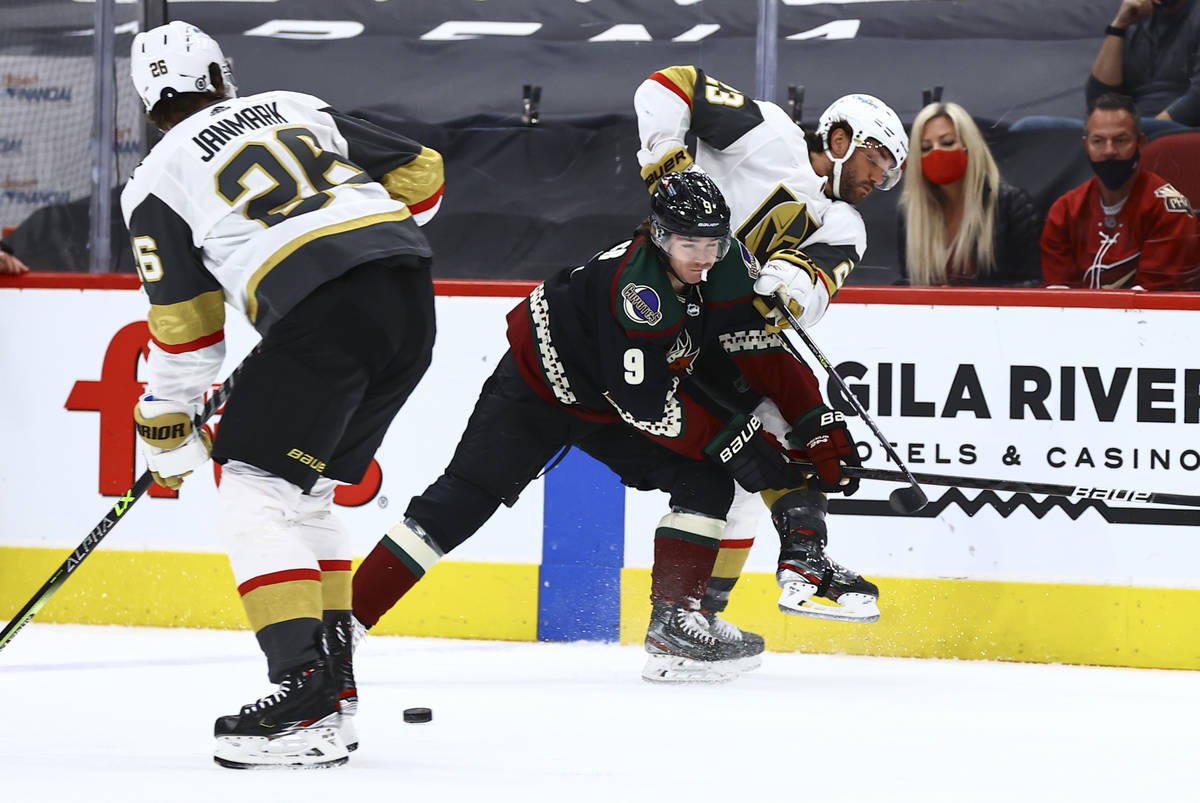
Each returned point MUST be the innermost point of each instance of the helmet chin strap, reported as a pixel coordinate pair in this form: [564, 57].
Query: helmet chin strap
[836, 178]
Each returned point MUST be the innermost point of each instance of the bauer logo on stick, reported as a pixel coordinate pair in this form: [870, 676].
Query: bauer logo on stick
[1110, 494]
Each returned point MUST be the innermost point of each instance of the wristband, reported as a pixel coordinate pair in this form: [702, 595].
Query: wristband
[1113, 30]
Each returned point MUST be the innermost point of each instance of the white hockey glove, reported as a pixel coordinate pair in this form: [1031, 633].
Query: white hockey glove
[798, 286]
[174, 446]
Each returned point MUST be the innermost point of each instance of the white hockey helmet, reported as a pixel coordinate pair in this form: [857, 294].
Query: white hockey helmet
[174, 58]
[868, 118]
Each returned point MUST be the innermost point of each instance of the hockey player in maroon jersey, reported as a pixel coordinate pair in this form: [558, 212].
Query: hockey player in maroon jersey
[305, 220]
[792, 198]
[599, 357]
[1126, 227]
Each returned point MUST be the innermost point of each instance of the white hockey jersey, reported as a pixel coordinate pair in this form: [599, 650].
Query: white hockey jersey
[255, 202]
[759, 159]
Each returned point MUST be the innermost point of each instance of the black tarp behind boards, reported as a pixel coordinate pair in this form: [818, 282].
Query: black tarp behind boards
[522, 201]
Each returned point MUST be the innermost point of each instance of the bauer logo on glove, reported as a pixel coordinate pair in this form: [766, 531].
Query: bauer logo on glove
[173, 445]
[822, 434]
[752, 460]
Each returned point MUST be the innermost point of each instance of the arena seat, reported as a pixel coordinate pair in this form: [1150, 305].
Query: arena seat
[1176, 157]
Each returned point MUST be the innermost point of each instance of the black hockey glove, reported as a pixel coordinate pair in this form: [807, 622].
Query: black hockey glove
[752, 460]
[822, 434]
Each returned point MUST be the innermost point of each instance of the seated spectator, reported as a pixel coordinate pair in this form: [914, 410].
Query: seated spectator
[1127, 227]
[1150, 52]
[959, 223]
[9, 262]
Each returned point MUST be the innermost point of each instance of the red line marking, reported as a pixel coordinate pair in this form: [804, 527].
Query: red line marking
[908, 296]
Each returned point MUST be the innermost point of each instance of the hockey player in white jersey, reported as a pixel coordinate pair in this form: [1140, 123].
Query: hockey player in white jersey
[792, 200]
[306, 221]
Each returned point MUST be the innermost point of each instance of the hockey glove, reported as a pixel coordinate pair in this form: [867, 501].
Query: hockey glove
[776, 320]
[173, 444]
[670, 156]
[797, 283]
[822, 434]
[752, 460]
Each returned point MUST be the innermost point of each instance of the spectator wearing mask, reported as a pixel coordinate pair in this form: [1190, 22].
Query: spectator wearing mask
[1127, 227]
[959, 223]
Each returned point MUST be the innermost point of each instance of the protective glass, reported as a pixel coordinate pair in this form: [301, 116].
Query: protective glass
[683, 247]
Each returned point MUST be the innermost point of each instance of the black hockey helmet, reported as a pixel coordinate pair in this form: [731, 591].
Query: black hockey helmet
[689, 204]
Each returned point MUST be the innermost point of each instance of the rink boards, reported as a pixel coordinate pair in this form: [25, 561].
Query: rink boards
[1058, 387]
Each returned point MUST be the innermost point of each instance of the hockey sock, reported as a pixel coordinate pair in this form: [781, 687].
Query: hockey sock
[685, 549]
[728, 568]
[335, 585]
[397, 562]
[284, 609]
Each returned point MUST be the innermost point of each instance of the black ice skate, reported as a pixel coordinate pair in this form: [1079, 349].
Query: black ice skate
[749, 645]
[683, 650]
[805, 582]
[812, 583]
[342, 636]
[296, 727]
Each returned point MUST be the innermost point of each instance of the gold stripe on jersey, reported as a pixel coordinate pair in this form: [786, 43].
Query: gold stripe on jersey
[185, 321]
[417, 180]
[290, 248]
[279, 602]
[673, 162]
[679, 79]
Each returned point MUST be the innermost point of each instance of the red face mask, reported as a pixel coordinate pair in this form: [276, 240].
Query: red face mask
[944, 167]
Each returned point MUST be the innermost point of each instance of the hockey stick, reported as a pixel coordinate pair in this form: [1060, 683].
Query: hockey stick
[1077, 492]
[903, 500]
[110, 520]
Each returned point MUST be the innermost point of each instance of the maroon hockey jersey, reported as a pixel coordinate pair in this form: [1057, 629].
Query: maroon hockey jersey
[1152, 242]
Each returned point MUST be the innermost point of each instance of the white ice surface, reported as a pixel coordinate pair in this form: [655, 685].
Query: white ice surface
[125, 714]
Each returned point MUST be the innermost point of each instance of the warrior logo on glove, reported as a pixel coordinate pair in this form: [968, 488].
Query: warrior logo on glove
[174, 447]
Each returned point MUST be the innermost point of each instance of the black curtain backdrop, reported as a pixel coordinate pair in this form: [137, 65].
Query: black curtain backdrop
[522, 201]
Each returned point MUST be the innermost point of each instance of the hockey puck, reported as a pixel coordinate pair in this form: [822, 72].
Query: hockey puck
[418, 715]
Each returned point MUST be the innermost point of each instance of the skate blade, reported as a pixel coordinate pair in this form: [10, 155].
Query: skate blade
[676, 669]
[303, 748]
[747, 664]
[796, 599]
[348, 732]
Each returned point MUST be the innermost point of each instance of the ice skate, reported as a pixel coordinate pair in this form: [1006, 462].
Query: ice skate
[683, 650]
[342, 639]
[750, 645]
[298, 726]
[812, 583]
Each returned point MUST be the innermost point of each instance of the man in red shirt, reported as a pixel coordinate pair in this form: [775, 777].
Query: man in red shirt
[1127, 227]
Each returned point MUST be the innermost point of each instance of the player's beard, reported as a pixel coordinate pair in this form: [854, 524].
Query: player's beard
[853, 188]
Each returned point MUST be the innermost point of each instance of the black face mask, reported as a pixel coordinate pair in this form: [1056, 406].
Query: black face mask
[1115, 172]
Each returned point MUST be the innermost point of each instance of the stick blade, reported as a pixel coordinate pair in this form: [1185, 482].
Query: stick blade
[908, 500]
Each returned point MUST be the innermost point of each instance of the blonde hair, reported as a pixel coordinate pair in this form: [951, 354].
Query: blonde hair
[922, 201]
